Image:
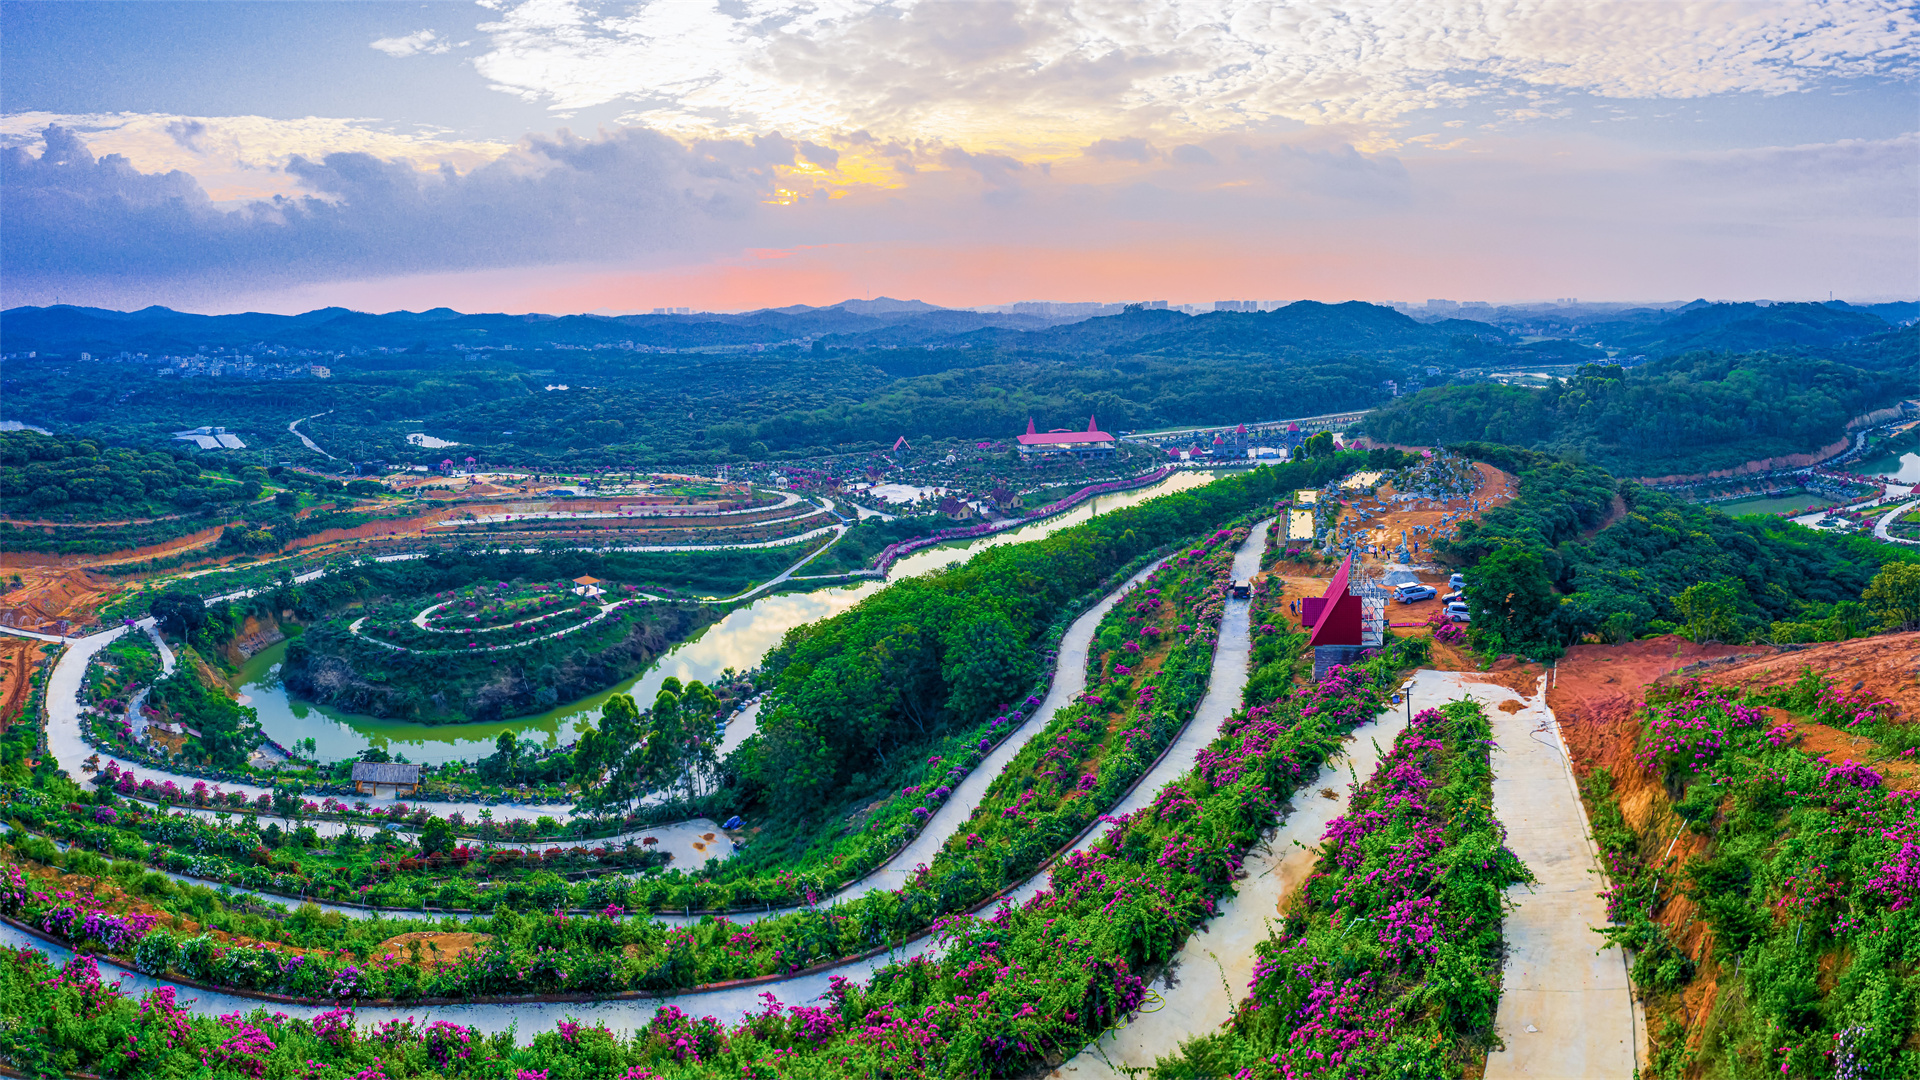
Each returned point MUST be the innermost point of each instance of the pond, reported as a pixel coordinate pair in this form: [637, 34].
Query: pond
[738, 641]
[1904, 469]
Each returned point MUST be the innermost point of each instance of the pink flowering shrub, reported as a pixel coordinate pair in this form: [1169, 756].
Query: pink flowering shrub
[1405, 900]
[1809, 876]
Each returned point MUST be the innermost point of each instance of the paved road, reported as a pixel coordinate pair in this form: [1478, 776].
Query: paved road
[1069, 681]
[1880, 527]
[787, 498]
[294, 427]
[1566, 1009]
[733, 1004]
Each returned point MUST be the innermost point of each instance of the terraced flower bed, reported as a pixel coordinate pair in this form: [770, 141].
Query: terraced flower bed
[1091, 753]
[497, 606]
[1009, 992]
[487, 617]
[1387, 962]
[1771, 898]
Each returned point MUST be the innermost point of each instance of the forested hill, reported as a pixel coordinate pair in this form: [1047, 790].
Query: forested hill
[1684, 414]
[1741, 328]
[1305, 328]
[1546, 574]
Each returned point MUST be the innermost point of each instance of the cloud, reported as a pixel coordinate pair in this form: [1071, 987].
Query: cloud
[1127, 149]
[1274, 215]
[1034, 76]
[74, 219]
[186, 133]
[242, 158]
[420, 42]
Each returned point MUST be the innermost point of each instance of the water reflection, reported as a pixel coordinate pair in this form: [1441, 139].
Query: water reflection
[1902, 470]
[738, 641]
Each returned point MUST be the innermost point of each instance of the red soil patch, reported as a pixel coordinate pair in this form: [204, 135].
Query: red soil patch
[1390, 518]
[437, 949]
[1616, 511]
[1596, 688]
[1510, 706]
[1886, 666]
[49, 593]
[17, 656]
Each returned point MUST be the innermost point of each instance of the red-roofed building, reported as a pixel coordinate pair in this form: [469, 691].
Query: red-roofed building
[1091, 443]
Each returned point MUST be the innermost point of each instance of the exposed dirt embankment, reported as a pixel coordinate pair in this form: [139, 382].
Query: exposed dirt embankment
[50, 593]
[17, 657]
[1596, 688]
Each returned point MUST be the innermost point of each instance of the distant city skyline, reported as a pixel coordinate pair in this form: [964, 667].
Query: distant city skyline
[561, 156]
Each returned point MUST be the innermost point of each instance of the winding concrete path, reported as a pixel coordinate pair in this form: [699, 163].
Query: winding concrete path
[700, 840]
[1231, 655]
[1069, 682]
[294, 429]
[1566, 1008]
[1887, 519]
[1213, 971]
[787, 498]
[732, 1004]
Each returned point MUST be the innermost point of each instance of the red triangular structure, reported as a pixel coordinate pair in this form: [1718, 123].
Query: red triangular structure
[1091, 426]
[901, 442]
[1334, 617]
[1030, 430]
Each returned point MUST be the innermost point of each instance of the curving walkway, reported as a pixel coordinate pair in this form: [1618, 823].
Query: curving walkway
[1880, 527]
[731, 1004]
[1565, 1007]
[1212, 972]
[700, 840]
[1231, 654]
[1069, 681]
[787, 498]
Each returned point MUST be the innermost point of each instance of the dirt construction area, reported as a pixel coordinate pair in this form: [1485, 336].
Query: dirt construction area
[17, 657]
[48, 594]
[1381, 522]
[1386, 519]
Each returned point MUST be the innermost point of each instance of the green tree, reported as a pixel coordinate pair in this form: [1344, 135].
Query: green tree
[1894, 595]
[1711, 610]
[1511, 597]
[179, 613]
[607, 762]
[437, 836]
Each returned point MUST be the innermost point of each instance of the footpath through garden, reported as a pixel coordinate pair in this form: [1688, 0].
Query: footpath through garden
[69, 748]
[1565, 1007]
[1069, 682]
[732, 1003]
[700, 840]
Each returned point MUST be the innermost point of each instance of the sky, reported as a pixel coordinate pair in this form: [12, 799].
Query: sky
[567, 156]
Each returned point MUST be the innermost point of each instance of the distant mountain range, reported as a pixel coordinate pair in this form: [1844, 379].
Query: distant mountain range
[1304, 328]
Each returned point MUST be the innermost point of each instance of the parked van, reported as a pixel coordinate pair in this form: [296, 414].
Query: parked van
[1408, 594]
[1457, 612]
[1457, 581]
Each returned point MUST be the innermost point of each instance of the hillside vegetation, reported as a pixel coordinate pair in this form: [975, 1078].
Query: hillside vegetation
[1543, 578]
[1686, 414]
